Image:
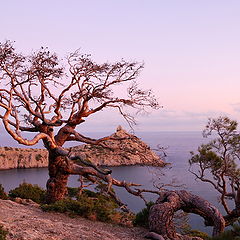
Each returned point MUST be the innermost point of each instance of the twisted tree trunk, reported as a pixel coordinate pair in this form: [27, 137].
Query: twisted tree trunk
[161, 214]
[58, 177]
[61, 165]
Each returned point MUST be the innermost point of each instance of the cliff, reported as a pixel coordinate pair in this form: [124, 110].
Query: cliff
[22, 158]
[125, 149]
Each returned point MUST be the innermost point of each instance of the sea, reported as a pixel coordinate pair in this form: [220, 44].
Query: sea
[176, 175]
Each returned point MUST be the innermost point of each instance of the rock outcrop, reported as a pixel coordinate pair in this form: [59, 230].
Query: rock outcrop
[22, 158]
[122, 149]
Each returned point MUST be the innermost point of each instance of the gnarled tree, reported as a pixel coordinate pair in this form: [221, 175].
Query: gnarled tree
[217, 164]
[161, 214]
[38, 94]
[41, 95]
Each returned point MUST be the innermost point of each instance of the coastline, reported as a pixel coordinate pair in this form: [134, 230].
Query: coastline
[122, 149]
[104, 166]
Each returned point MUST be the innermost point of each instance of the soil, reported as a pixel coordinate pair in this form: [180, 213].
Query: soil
[26, 221]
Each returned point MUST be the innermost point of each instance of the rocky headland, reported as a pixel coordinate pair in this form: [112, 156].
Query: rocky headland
[121, 149]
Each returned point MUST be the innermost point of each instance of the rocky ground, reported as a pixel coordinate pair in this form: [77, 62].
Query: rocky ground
[29, 222]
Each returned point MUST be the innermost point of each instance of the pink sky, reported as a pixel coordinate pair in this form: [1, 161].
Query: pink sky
[190, 48]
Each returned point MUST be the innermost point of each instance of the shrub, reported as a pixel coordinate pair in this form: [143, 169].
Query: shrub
[89, 193]
[3, 195]
[70, 206]
[196, 233]
[73, 192]
[28, 191]
[3, 233]
[231, 234]
[88, 204]
[104, 208]
[141, 218]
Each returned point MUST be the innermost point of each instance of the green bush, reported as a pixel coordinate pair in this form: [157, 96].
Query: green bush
[230, 234]
[104, 208]
[3, 233]
[69, 206]
[196, 233]
[90, 194]
[3, 195]
[141, 218]
[72, 192]
[226, 235]
[88, 204]
[28, 191]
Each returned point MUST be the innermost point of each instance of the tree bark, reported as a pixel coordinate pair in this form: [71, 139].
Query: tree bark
[58, 167]
[161, 214]
[61, 165]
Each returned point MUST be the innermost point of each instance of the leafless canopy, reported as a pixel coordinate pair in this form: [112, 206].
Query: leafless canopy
[40, 90]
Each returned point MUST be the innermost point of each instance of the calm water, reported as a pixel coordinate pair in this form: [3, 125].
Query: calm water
[179, 145]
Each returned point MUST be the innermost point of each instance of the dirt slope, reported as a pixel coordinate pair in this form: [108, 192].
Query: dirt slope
[29, 222]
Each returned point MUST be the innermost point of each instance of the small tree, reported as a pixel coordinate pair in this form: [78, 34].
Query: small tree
[39, 94]
[217, 163]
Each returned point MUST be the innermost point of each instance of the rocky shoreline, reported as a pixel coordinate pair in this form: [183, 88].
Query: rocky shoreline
[127, 149]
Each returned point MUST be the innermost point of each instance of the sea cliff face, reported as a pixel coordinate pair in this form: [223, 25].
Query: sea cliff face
[121, 149]
[22, 158]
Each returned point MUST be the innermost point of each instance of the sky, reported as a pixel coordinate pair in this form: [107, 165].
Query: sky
[191, 51]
